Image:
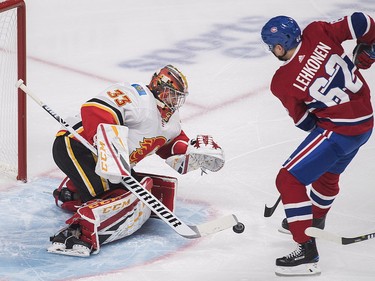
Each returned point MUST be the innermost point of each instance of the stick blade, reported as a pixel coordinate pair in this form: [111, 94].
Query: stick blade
[322, 234]
[215, 226]
[268, 211]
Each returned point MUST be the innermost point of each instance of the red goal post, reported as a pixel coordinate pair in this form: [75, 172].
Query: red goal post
[13, 155]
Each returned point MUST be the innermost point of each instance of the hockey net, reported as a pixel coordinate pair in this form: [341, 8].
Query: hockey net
[12, 101]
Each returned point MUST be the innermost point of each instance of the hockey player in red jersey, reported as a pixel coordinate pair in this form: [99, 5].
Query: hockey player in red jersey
[325, 95]
[145, 119]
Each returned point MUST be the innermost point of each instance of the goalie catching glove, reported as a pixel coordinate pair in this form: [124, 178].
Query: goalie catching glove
[202, 153]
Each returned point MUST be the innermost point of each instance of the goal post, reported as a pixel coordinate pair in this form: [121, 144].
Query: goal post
[13, 126]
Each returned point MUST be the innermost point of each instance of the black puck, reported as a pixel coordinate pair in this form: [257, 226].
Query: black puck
[239, 227]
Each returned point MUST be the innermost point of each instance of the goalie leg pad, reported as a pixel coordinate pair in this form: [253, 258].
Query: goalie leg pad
[164, 189]
[104, 221]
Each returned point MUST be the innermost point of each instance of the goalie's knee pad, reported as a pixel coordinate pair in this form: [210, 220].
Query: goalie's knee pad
[66, 196]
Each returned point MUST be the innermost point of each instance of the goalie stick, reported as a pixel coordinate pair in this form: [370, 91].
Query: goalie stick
[268, 211]
[187, 231]
[329, 236]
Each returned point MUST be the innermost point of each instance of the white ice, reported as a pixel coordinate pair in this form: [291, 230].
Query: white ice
[77, 48]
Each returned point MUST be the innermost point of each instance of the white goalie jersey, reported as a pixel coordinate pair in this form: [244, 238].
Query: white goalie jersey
[125, 124]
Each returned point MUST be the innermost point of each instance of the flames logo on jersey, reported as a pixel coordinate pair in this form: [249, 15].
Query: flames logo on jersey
[147, 146]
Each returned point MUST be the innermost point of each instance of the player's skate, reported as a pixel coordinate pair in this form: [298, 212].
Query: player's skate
[317, 222]
[302, 261]
[67, 242]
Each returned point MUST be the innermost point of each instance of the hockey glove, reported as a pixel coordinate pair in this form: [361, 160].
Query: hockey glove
[364, 55]
[202, 153]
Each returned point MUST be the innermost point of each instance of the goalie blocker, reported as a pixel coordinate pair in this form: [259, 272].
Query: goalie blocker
[118, 214]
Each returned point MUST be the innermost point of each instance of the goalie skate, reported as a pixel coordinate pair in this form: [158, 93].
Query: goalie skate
[76, 250]
[66, 243]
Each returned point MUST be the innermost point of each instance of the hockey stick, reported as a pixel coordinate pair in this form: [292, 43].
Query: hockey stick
[268, 211]
[329, 236]
[187, 231]
[26, 90]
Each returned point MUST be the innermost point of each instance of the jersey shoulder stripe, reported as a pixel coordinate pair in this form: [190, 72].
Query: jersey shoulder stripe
[103, 105]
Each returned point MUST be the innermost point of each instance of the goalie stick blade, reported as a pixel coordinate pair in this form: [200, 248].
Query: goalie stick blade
[171, 219]
[214, 226]
[325, 235]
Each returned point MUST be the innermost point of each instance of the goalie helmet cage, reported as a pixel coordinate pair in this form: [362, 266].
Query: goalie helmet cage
[13, 153]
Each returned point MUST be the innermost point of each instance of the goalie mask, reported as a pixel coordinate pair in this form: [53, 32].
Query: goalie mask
[170, 87]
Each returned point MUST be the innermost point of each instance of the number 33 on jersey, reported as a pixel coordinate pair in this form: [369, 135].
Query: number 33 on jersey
[133, 106]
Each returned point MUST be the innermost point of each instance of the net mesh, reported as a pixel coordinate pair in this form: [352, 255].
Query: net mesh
[8, 93]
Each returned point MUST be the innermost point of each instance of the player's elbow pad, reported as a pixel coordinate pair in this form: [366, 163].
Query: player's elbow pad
[360, 23]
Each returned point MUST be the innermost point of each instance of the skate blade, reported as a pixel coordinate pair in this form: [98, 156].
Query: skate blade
[76, 251]
[56, 246]
[299, 270]
[284, 231]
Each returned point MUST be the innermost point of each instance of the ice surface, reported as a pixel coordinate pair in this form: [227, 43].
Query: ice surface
[77, 48]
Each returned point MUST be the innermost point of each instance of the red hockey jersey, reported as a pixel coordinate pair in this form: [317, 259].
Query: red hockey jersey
[320, 85]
